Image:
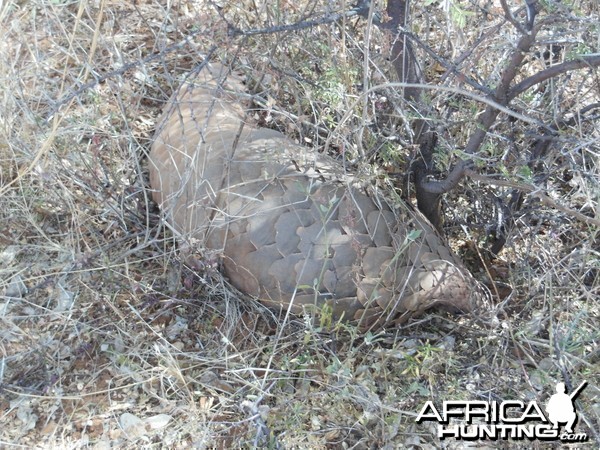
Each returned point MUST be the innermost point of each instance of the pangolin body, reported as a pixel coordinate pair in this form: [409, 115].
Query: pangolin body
[294, 231]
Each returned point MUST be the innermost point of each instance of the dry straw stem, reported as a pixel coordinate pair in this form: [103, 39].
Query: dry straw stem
[103, 316]
[44, 149]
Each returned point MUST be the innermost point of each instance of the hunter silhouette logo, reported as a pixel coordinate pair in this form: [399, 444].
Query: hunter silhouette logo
[510, 419]
[560, 407]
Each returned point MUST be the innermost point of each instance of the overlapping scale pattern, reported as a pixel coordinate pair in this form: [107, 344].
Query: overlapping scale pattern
[293, 229]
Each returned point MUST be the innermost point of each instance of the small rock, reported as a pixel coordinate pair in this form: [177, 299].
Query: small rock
[133, 426]
[16, 288]
[158, 421]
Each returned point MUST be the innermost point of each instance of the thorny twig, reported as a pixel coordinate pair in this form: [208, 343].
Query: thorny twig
[534, 192]
[361, 9]
[76, 92]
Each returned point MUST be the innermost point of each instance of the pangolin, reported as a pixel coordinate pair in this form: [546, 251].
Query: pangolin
[293, 229]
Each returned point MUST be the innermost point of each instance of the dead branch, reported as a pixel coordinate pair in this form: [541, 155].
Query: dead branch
[488, 118]
[534, 192]
[582, 62]
[361, 9]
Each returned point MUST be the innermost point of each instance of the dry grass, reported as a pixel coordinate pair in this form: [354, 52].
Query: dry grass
[114, 335]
